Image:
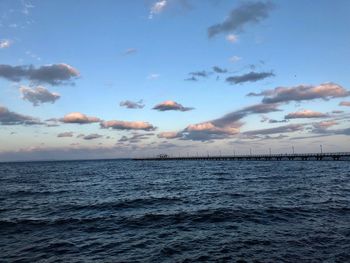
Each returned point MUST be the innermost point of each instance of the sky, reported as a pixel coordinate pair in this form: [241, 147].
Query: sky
[114, 79]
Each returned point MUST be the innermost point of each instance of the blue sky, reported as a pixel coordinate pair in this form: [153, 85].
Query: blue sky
[60, 58]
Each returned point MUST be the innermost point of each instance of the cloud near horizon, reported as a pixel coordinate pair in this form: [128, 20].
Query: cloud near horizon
[170, 105]
[323, 91]
[344, 103]
[53, 74]
[127, 125]
[38, 95]
[79, 118]
[65, 134]
[306, 114]
[244, 14]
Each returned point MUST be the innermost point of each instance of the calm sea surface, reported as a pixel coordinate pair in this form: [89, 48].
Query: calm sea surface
[175, 211]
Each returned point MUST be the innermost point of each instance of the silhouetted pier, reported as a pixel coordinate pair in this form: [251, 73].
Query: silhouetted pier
[257, 157]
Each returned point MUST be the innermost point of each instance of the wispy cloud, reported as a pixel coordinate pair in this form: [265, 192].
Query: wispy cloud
[246, 13]
[153, 76]
[249, 77]
[234, 59]
[38, 95]
[171, 105]
[281, 129]
[306, 114]
[130, 51]
[157, 8]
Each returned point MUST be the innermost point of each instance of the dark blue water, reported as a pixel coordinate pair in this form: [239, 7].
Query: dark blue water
[175, 211]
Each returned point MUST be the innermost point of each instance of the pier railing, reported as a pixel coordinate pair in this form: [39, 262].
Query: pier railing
[336, 156]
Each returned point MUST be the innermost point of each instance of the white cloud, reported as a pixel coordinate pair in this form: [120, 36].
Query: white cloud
[232, 38]
[157, 8]
[5, 43]
[234, 59]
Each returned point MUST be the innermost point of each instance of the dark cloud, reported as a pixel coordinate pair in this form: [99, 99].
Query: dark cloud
[38, 95]
[79, 118]
[92, 136]
[276, 130]
[171, 105]
[65, 134]
[249, 77]
[135, 138]
[276, 121]
[191, 79]
[246, 13]
[219, 70]
[132, 104]
[128, 125]
[202, 74]
[54, 74]
[12, 118]
[324, 91]
[306, 114]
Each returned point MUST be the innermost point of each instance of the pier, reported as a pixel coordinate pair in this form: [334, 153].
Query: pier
[339, 156]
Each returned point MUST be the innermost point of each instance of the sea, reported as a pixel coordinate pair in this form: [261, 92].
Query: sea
[175, 211]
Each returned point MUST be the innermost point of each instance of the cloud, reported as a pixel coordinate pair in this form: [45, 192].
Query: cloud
[202, 73]
[305, 114]
[219, 70]
[169, 135]
[54, 74]
[92, 136]
[232, 38]
[191, 79]
[153, 76]
[234, 59]
[5, 43]
[324, 124]
[323, 91]
[171, 105]
[38, 95]
[80, 118]
[12, 118]
[128, 125]
[157, 8]
[345, 103]
[246, 13]
[249, 77]
[130, 51]
[65, 134]
[137, 137]
[131, 104]
[226, 126]
[281, 129]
